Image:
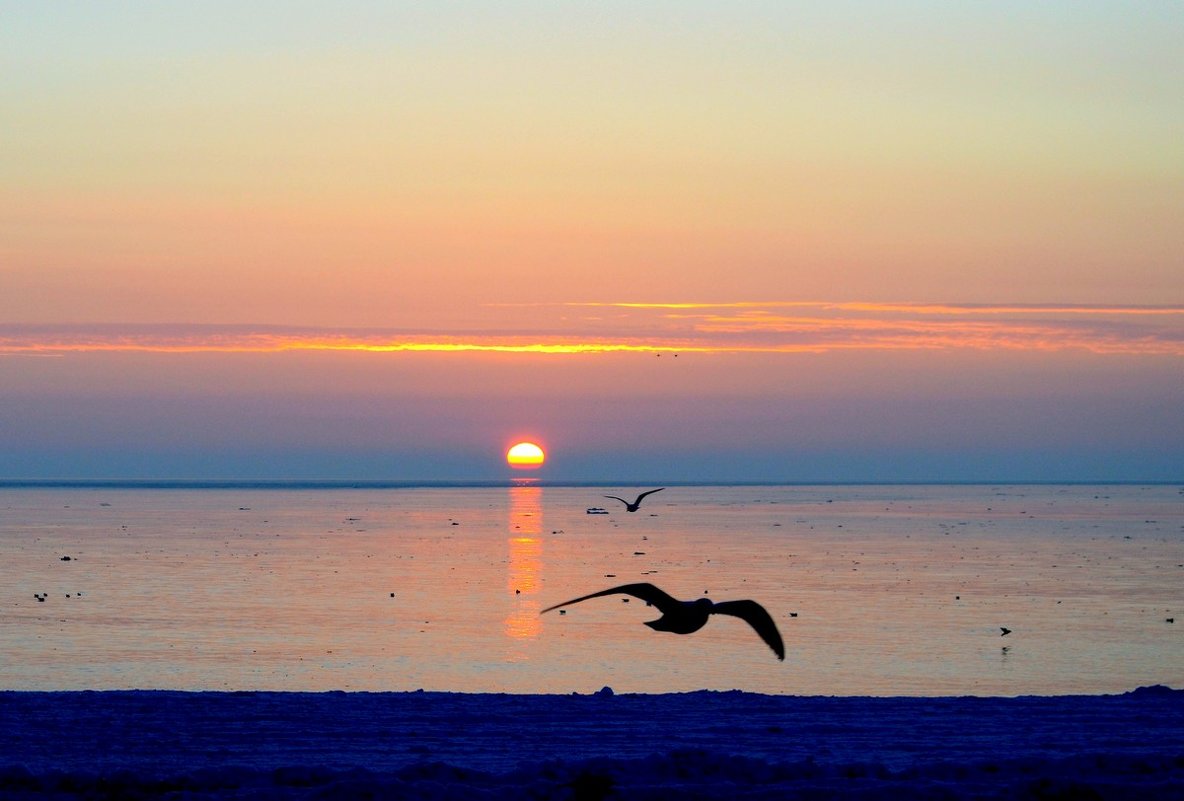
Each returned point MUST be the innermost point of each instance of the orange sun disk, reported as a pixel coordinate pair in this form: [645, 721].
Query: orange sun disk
[525, 456]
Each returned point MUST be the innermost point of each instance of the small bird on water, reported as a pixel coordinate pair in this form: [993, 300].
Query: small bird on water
[632, 507]
[684, 617]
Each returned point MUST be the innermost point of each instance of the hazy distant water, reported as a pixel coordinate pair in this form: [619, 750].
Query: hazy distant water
[897, 590]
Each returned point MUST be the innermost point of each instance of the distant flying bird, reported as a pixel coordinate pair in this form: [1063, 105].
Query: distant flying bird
[1005, 631]
[632, 507]
[684, 617]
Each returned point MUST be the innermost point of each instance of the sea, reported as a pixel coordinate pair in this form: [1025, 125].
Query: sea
[877, 590]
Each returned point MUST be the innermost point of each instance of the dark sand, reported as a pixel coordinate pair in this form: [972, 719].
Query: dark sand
[260, 745]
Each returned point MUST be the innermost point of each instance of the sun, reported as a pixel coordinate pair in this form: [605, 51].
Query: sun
[525, 456]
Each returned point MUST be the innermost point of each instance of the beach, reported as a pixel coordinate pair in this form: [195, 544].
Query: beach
[259, 745]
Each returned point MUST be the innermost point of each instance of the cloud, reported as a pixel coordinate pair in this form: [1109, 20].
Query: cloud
[736, 327]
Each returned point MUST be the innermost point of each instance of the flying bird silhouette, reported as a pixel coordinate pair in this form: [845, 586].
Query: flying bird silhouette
[684, 617]
[632, 507]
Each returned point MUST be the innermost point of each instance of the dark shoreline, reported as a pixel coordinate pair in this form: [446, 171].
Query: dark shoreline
[72, 744]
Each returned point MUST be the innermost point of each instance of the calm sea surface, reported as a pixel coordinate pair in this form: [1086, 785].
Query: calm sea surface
[879, 590]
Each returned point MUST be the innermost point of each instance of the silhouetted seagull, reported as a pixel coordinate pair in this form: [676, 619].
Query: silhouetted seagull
[1005, 631]
[684, 617]
[632, 507]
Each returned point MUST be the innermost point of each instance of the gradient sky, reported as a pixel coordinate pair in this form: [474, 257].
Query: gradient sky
[669, 241]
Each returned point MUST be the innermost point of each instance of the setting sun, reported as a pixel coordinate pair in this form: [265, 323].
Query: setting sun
[525, 456]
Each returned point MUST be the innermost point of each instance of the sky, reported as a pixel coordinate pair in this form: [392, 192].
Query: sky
[701, 241]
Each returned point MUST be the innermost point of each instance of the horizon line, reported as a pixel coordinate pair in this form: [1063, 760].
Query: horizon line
[518, 481]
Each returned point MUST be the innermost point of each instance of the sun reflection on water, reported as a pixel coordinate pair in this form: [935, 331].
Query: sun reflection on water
[526, 561]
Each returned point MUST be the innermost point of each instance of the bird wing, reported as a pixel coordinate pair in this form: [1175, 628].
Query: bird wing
[648, 492]
[615, 498]
[646, 592]
[756, 616]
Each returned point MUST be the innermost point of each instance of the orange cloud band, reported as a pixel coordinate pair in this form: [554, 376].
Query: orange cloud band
[747, 327]
[907, 308]
[207, 339]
